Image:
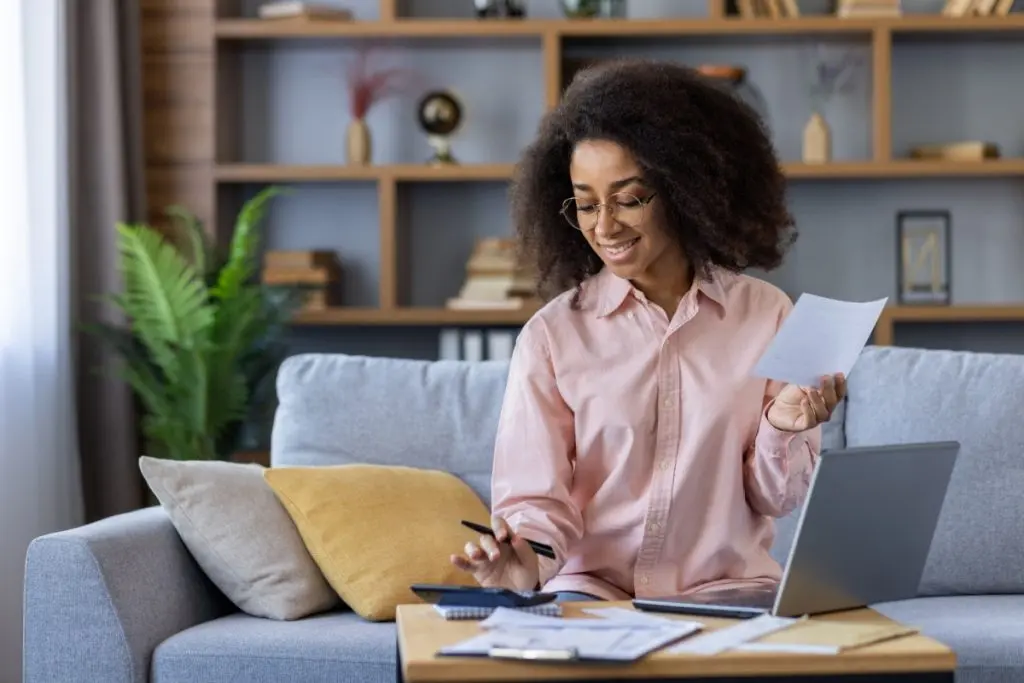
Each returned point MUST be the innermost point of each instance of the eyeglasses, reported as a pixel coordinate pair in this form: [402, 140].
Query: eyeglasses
[626, 209]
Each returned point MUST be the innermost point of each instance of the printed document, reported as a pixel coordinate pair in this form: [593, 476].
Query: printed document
[616, 635]
[713, 642]
[819, 337]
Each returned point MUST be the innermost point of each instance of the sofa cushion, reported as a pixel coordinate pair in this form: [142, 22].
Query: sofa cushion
[900, 395]
[241, 536]
[986, 632]
[338, 647]
[376, 530]
[336, 410]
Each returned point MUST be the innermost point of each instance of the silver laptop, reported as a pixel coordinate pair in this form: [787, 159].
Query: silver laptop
[862, 538]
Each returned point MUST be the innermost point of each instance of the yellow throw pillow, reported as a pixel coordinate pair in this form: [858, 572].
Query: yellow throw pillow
[375, 530]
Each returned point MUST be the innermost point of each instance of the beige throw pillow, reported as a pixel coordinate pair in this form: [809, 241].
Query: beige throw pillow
[241, 536]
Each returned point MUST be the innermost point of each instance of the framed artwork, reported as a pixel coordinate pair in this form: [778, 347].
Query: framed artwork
[923, 265]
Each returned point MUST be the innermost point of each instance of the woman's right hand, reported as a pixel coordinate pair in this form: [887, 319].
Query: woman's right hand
[506, 561]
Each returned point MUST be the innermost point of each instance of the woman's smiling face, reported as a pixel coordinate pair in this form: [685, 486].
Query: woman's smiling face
[618, 214]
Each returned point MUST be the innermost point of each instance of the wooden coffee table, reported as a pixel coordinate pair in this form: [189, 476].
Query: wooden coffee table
[421, 632]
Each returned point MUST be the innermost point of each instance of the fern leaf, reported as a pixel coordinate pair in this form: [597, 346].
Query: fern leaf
[163, 296]
[198, 244]
[241, 263]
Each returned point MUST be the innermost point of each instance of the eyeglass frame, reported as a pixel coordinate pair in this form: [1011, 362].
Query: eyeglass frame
[642, 201]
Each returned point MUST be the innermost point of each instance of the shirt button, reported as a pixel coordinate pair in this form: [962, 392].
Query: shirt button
[668, 401]
[645, 579]
[665, 464]
[631, 315]
[653, 527]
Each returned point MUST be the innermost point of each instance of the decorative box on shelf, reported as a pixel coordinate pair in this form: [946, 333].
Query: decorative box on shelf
[495, 279]
[318, 272]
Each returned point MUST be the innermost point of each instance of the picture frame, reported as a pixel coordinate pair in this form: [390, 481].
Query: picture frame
[923, 258]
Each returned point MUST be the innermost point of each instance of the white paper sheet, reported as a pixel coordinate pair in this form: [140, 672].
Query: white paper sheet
[713, 642]
[616, 635]
[616, 643]
[634, 618]
[789, 648]
[819, 337]
[505, 617]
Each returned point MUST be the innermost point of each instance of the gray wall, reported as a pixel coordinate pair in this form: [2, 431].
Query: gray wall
[966, 87]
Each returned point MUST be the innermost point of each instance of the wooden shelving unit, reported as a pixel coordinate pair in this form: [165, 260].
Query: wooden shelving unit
[254, 29]
[865, 170]
[885, 332]
[191, 72]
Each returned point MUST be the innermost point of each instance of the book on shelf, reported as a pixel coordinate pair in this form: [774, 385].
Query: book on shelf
[496, 279]
[869, 9]
[318, 272]
[296, 9]
[476, 345]
[957, 151]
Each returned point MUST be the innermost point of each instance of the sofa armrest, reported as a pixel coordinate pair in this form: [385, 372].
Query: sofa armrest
[99, 598]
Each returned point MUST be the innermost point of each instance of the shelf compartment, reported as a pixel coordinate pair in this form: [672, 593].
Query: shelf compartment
[254, 29]
[413, 316]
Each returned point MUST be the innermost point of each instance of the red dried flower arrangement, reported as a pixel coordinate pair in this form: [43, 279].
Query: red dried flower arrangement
[367, 89]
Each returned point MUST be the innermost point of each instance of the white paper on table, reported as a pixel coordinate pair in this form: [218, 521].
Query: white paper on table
[504, 617]
[819, 337]
[620, 643]
[714, 642]
[789, 648]
[630, 617]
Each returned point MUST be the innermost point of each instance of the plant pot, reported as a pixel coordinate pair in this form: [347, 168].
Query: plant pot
[817, 141]
[358, 146]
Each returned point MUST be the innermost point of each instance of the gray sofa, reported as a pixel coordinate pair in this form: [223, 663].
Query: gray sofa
[122, 600]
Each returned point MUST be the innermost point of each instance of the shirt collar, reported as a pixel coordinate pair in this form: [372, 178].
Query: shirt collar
[612, 290]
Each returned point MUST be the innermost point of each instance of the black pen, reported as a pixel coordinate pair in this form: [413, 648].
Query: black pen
[539, 548]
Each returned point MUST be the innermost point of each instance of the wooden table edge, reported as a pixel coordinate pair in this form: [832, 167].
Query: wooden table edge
[931, 657]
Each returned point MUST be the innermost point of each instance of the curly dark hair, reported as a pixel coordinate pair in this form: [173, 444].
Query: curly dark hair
[701, 149]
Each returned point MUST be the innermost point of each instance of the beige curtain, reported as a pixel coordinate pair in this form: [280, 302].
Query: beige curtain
[106, 186]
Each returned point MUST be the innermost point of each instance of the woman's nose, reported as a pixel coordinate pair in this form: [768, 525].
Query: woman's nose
[606, 225]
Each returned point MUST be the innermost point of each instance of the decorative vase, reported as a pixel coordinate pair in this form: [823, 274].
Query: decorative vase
[817, 140]
[358, 146]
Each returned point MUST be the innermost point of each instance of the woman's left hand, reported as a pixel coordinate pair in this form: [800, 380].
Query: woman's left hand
[798, 408]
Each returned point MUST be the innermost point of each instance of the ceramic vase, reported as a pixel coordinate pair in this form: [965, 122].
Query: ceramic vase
[817, 140]
[358, 145]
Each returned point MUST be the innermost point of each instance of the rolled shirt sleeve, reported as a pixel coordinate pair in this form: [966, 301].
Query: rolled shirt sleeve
[778, 468]
[534, 453]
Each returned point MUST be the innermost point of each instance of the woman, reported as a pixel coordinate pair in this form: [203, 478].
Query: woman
[633, 437]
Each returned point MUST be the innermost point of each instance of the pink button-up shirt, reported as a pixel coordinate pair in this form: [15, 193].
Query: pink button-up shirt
[637, 445]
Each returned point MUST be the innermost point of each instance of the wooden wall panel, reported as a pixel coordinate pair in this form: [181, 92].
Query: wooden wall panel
[178, 58]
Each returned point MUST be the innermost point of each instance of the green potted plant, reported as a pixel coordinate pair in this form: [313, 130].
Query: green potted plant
[203, 339]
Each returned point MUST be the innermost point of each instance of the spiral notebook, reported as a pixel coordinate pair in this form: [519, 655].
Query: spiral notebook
[460, 612]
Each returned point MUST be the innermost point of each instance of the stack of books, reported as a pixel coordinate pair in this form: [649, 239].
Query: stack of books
[869, 9]
[296, 9]
[317, 272]
[496, 279]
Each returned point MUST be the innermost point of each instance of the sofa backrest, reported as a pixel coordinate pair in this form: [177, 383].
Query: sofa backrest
[899, 395]
[337, 409]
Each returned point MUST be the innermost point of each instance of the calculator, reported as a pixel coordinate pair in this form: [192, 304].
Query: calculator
[477, 596]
